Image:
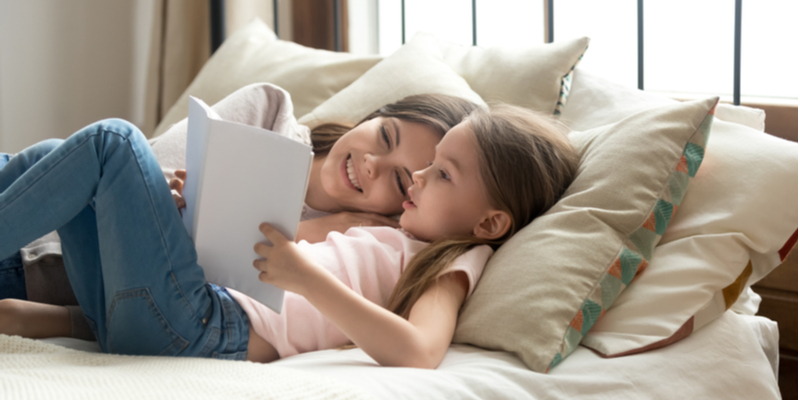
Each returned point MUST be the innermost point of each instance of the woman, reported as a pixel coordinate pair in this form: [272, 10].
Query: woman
[358, 176]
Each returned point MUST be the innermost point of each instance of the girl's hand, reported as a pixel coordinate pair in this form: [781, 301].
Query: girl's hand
[176, 185]
[284, 265]
[316, 230]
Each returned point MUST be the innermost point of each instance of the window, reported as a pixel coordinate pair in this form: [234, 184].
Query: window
[688, 45]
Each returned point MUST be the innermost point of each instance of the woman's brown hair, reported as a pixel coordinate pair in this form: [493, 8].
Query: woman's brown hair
[438, 111]
[526, 164]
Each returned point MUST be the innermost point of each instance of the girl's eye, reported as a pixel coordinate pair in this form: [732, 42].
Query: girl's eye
[385, 136]
[444, 175]
[400, 184]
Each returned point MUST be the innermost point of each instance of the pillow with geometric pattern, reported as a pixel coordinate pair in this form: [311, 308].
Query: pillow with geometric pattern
[737, 222]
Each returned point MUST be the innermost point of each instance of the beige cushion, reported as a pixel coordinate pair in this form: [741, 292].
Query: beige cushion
[253, 54]
[416, 68]
[544, 289]
[534, 77]
[732, 228]
[737, 222]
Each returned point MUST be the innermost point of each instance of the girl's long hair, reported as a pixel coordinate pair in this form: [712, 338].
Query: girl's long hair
[438, 111]
[526, 163]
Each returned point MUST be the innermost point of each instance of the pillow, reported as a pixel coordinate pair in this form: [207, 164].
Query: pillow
[253, 54]
[534, 77]
[543, 290]
[416, 68]
[738, 221]
[686, 285]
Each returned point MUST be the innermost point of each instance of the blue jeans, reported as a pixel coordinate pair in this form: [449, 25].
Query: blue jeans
[12, 274]
[130, 261]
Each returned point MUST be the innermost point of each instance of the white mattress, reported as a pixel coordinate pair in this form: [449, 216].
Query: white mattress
[734, 357]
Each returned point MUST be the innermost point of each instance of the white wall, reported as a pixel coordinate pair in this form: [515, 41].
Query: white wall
[65, 64]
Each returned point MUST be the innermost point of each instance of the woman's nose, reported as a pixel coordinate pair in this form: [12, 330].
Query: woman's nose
[371, 165]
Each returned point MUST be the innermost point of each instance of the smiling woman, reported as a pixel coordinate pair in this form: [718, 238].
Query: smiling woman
[368, 167]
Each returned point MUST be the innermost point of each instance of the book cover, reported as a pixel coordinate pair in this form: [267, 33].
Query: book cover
[238, 176]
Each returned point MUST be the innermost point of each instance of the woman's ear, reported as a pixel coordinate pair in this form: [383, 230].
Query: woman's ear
[493, 226]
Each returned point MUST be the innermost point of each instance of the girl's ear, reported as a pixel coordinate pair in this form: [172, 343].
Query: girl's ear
[493, 226]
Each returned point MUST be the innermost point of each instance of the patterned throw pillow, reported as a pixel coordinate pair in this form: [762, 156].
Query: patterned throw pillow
[543, 290]
[737, 222]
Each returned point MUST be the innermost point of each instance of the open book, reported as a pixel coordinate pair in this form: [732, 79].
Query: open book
[238, 176]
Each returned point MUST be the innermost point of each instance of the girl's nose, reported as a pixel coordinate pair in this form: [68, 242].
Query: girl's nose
[419, 178]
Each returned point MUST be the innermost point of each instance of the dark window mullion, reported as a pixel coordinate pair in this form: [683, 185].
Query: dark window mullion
[337, 26]
[549, 22]
[737, 53]
[640, 41]
[474, 23]
[275, 17]
[403, 20]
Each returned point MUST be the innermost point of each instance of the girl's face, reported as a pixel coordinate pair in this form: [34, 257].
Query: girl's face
[448, 198]
[369, 168]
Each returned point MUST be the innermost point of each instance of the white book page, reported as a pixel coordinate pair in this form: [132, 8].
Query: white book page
[200, 116]
[250, 175]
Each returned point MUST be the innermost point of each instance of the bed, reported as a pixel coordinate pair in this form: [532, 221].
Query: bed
[680, 310]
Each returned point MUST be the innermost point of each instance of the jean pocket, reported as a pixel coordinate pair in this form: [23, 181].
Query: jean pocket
[135, 325]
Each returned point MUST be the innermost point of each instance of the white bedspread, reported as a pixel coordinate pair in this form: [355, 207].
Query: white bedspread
[31, 369]
[734, 357]
[724, 360]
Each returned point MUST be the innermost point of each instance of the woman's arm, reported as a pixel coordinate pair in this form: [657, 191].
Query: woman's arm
[420, 342]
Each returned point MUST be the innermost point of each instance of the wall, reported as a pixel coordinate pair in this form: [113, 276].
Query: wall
[65, 64]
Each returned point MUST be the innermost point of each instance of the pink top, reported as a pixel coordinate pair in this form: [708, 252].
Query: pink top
[369, 260]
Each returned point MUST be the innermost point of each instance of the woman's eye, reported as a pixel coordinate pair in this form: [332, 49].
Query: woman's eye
[400, 184]
[385, 136]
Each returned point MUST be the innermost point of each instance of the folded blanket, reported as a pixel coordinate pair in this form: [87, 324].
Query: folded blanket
[30, 369]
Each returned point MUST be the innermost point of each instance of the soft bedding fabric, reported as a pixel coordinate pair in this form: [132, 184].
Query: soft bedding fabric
[31, 369]
[690, 369]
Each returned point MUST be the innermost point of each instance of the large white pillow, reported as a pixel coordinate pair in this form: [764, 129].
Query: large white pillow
[734, 225]
[535, 77]
[253, 54]
[416, 68]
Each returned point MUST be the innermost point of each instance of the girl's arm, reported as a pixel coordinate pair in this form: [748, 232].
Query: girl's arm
[421, 341]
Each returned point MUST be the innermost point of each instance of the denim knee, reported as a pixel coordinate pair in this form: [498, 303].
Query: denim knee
[119, 128]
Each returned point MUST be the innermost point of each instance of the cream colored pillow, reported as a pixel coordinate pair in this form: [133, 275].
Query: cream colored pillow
[534, 77]
[734, 226]
[738, 221]
[416, 68]
[546, 287]
[253, 54]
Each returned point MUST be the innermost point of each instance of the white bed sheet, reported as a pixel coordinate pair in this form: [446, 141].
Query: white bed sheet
[734, 357]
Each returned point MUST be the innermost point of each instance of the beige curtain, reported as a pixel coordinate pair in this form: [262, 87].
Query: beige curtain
[180, 45]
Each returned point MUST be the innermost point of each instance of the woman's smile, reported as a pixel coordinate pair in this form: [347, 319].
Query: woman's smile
[350, 174]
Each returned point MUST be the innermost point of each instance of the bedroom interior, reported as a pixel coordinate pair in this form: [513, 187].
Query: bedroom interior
[728, 252]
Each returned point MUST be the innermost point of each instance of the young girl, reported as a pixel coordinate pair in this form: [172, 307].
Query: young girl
[397, 138]
[491, 175]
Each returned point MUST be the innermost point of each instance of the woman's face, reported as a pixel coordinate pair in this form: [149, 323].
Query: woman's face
[369, 168]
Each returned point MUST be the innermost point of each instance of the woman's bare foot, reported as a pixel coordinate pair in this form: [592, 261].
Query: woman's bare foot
[34, 320]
